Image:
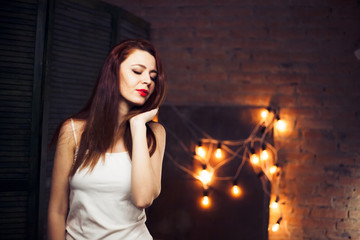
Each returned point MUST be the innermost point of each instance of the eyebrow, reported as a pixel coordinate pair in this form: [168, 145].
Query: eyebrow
[140, 65]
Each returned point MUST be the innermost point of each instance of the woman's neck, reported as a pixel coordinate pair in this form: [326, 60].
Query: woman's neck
[124, 108]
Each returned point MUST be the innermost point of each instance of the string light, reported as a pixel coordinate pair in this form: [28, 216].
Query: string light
[205, 176]
[218, 152]
[280, 124]
[270, 120]
[264, 113]
[235, 190]
[254, 159]
[200, 150]
[276, 226]
[205, 200]
[275, 204]
[264, 155]
[273, 169]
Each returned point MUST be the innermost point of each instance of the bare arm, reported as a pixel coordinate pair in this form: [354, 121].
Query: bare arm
[58, 204]
[146, 171]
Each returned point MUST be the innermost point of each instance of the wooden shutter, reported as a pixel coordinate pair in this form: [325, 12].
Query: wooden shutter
[80, 34]
[21, 45]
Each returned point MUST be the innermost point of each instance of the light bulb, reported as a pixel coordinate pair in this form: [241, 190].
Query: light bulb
[264, 113]
[205, 200]
[281, 125]
[236, 191]
[218, 153]
[264, 155]
[205, 177]
[273, 169]
[274, 205]
[200, 151]
[275, 227]
[254, 159]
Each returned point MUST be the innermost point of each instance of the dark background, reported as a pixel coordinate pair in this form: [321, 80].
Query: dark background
[298, 55]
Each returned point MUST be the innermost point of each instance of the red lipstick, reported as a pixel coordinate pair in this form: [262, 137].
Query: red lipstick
[143, 92]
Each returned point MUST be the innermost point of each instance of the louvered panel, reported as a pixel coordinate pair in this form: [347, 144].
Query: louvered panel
[18, 79]
[84, 63]
[80, 42]
[13, 213]
[18, 28]
[17, 50]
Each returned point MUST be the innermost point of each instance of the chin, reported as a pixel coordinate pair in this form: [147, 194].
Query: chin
[137, 103]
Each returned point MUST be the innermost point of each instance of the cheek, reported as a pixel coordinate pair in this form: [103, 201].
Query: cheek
[152, 88]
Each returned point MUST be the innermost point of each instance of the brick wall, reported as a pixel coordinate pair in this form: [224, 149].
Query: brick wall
[298, 55]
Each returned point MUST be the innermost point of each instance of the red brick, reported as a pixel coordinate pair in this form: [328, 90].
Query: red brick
[328, 213]
[285, 78]
[332, 158]
[209, 77]
[331, 191]
[299, 112]
[246, 78]
[286, 34]
[313, 102]
[271, 56]
[210, 32]
[349, 224]
[250, 32]
[305, 57]
[246, 100]
[323, 146]
[319, 223]
[355, 214]
[348, 202]
[314, 124]
[300, 158]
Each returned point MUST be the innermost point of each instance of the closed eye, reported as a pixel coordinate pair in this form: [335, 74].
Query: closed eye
[153, 78]
[136, 72]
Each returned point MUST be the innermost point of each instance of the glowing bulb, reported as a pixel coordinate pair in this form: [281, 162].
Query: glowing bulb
[281, 125]
[254, 159]
[275, 227]
[264, 114]
[273, 169]
[264, 155]
[274, 205]
[200, 151]
[218, 153]
[205, 177]
[205, 200]
[236, 191]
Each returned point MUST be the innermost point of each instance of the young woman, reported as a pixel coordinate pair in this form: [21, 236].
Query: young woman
[108, 159]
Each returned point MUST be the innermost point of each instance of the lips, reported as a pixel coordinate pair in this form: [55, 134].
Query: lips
[143, 92]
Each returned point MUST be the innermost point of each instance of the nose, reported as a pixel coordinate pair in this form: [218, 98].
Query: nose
[147, 80]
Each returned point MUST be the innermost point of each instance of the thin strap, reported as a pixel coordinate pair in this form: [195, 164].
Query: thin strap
[77, 147]
[73, 128]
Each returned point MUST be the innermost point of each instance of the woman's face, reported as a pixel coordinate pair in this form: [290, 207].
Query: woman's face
[137, 75]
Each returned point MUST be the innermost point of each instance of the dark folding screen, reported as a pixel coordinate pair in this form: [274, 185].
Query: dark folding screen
[38, 90]
[19, 116]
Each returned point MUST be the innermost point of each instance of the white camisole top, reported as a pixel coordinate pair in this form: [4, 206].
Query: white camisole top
[100, 203]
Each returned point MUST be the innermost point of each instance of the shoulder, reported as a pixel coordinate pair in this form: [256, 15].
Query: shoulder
[71, 126]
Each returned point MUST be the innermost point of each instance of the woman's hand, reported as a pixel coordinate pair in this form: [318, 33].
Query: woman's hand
[144, 117]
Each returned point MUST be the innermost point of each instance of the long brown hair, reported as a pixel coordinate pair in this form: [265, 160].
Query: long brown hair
[101, 111]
